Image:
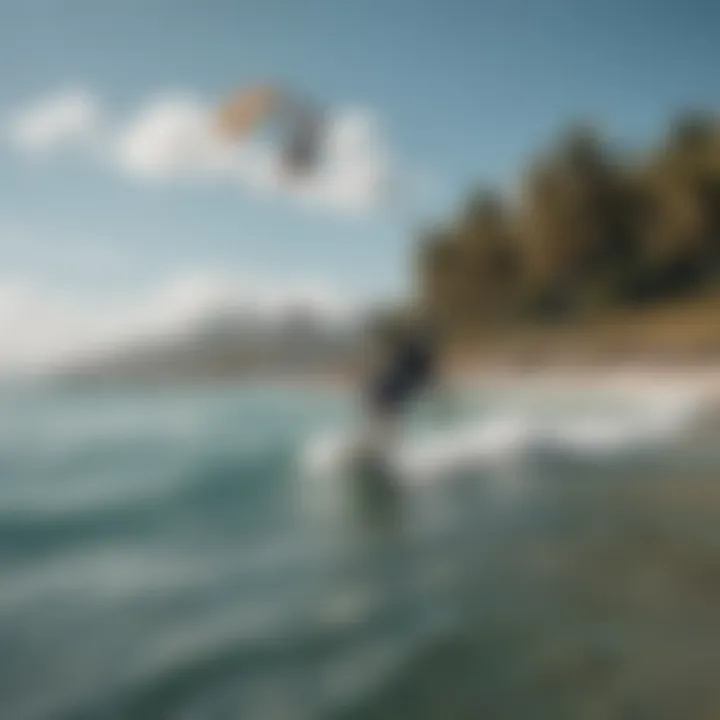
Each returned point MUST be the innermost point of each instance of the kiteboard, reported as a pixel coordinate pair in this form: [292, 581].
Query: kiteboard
[342, 468]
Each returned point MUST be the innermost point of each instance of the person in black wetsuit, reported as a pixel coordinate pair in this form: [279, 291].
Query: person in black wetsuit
[408, 368]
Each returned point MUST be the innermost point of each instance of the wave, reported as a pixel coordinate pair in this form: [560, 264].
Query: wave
[153, 562]
[431, 454]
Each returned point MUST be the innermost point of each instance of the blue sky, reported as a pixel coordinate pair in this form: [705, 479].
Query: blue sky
[464, 90]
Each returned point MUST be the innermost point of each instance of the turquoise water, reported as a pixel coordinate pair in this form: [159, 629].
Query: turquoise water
[161, 557]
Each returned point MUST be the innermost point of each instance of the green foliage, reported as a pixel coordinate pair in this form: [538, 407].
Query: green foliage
[590, 231]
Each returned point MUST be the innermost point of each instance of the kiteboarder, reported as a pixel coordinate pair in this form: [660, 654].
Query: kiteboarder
[406, 369]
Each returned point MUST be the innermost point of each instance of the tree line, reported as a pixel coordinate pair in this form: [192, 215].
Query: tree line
[591, 228]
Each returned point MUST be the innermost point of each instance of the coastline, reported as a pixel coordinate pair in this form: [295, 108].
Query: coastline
[695, 377]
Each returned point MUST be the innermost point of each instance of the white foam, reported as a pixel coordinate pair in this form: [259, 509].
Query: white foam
[429, 456]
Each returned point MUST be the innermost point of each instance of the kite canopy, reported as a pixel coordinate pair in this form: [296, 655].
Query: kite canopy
[300, 124]
[245, 109]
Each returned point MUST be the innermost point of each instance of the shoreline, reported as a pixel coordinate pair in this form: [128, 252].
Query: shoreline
[458, 372]
[693, 390]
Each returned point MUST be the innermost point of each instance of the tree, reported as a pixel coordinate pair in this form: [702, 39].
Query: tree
[589, 232]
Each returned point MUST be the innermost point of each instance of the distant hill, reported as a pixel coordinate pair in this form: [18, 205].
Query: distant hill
[230, 344]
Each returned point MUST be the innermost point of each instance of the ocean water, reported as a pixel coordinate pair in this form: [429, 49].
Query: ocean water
[199, 553]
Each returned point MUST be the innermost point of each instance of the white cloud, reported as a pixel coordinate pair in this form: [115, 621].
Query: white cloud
[67, 117]
[173, 138]
[170, 138]
[41, 326]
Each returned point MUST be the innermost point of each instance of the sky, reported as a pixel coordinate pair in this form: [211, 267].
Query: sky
[438, 96]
